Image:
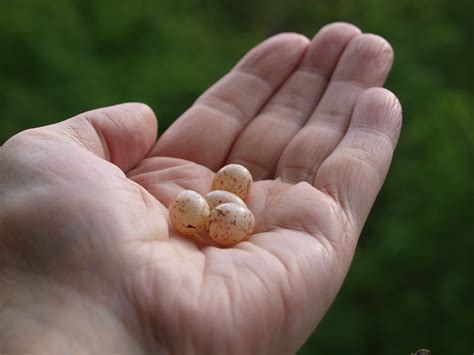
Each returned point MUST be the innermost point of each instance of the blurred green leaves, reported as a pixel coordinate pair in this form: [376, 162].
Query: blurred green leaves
[410, 284]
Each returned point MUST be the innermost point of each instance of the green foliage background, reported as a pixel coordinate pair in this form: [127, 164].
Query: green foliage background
[411, 282]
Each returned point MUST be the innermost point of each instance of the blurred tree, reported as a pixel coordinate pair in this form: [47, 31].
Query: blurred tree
[409, 286]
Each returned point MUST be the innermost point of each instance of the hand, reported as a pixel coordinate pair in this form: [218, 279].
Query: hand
[85, 245]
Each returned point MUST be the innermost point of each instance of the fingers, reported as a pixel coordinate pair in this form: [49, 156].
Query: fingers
[122, 134]
[365, 62]
[260, 145]
[353, 174]
[205, 133]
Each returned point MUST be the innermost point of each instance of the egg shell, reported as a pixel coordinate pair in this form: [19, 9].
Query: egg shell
[218, 197]
[230, 224]
[234, 178]
[189, 212]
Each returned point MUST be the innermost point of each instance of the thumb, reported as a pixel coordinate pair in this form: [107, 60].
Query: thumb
[121, 134]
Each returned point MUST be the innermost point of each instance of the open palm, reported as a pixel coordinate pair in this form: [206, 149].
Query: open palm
[303, 117]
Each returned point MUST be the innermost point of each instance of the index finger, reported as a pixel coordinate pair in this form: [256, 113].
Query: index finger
[206, 132]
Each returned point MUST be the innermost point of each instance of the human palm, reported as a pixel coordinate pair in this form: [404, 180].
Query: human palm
[301, 116]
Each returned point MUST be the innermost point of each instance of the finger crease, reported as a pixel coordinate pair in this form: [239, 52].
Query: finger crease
[348, 81]
[363, 157]
[373, 130]
[290, 109]
[256, 75]
[314, 71]
[231, 110]
[107, 151]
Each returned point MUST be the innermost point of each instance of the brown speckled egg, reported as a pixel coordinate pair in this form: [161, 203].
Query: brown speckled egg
[234, 178]
[189, 212]
[218, 197]
[230, 223]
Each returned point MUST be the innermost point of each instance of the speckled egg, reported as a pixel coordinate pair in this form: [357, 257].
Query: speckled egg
[218, 197]
[230, 223]
[234, 178]
[189, 212]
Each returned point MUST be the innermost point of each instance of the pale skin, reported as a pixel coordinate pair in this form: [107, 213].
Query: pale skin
[88, 262]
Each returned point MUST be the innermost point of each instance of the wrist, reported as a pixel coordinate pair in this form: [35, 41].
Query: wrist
[39, 316]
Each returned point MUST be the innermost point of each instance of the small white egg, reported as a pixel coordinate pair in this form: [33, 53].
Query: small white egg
[218, 197]
[230, 223]
[234, 178]
[189, 212]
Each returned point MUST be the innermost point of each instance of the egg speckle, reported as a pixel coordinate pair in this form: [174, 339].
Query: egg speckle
[189, 212]
[230, 223]
[234, 178]
[218, 197]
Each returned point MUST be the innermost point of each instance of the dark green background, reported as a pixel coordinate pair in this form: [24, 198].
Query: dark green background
[411, 283]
